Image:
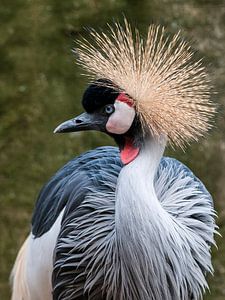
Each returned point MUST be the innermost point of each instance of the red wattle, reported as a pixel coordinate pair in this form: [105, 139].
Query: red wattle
[129, 152]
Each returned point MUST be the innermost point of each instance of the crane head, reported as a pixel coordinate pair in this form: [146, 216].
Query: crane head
[152, 86]
[112, 112]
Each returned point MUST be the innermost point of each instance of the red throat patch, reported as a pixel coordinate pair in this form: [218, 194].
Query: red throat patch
[129, 152]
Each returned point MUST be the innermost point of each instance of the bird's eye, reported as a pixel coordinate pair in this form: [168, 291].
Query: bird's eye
[109, 109]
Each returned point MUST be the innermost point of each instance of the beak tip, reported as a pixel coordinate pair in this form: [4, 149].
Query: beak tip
[57, 129]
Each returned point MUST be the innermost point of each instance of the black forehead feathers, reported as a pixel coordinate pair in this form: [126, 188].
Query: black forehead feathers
[98, 95]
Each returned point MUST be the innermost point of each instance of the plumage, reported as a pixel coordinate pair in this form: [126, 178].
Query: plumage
[126, 223]
[88, 228]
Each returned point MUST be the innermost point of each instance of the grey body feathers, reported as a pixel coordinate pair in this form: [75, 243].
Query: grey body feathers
[154, 244]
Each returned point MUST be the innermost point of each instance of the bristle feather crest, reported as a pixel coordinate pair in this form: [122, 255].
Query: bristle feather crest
[171, 92]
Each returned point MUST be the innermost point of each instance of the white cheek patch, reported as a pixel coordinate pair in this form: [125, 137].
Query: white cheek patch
[120, 121]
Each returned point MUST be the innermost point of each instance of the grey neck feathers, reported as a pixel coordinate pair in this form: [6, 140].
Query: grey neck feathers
[137, 221]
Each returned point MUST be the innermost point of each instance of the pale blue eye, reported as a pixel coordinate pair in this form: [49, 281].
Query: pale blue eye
[109, 109]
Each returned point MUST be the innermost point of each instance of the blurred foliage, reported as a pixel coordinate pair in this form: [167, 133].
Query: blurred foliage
[41, 86]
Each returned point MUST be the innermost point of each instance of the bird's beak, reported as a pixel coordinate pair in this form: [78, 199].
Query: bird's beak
[82, 122]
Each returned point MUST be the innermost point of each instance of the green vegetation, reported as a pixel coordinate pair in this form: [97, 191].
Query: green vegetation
[41, 86]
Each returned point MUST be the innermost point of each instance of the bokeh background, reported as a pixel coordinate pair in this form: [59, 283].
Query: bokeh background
[41, 86]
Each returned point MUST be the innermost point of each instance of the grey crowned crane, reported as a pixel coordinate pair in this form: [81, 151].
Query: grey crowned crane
[126, 223]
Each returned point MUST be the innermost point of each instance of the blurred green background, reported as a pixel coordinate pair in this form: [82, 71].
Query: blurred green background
[41, 86]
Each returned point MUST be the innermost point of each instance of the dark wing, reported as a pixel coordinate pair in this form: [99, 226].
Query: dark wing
[70, 184]
[85, 228]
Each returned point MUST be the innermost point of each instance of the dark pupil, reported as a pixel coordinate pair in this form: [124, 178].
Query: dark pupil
[109, 109]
